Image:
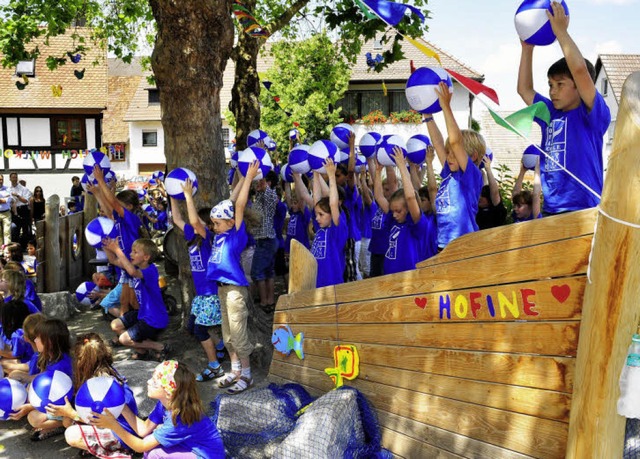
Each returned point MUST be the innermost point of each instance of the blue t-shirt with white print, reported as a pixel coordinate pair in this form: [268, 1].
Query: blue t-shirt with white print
[297, 228]
[457, 202]
[198, 258]
[224, 264]
[405, 247]
[152, 308]
[328, 250]
[573, 139]
[379, 233]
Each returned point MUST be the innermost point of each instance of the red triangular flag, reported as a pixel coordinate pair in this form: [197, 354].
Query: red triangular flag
[474, 87]
[413, 67]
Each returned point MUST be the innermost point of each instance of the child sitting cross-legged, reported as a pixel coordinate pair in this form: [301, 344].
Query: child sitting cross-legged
[139, 328]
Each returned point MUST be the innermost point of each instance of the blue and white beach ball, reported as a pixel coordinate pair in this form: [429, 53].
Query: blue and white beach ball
[83, 291]
[176, 179]
[49, 387]
[299, 159]
[385, 150]
[98, 394]
[256, 136]
[271, 144]
[251, 154]
[417, 148]
[86, 180]
[369, 143]
[340, 135]
[286, 173]
[99, 228]
[96, 157]
[110, 176]
[421, 85]
[361, 163]
[12, 396]
[142, 193]
[532, 23]
[530, 157]
[342, 156]
[148, 209]
[293, 134]
[319, 152]
[233, 160]
[158, 176]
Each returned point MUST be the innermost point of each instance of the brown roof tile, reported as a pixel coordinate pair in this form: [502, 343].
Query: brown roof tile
[87, 93]
[139, 108]
[121, 91]
[617, 68]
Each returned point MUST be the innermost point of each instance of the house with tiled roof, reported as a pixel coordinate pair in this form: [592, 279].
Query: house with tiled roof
[611, 72]
[365, 94]
[47, 119]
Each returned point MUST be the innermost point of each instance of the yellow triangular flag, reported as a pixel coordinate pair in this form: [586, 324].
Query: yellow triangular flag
[427, 51]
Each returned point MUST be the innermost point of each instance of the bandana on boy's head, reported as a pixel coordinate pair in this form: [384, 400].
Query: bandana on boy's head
[164, 374]
[223, 210]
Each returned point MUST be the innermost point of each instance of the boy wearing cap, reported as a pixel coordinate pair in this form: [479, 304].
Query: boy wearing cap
[225, 268]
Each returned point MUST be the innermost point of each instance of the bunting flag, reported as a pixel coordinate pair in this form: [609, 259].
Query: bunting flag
[475, 87]
[367, 14]
[520, 122]
[390, 12]
[412, 67]
[249, 23]
[425, 50]
[384, 89]
[276, 99]
[56, 90]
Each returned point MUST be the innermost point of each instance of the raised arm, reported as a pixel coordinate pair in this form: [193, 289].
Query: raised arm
[334, 201]
[494, 190]
[525, 74]
[409, 190]
[102, 201]
[378, 192]
[432, 184]
[111, 245]
[287, 194]
[235, 191]
[366, 191]
[453, 131]
[414, 172]
[243, 196]
[107, 194]
[302, 192]
[317, 188]
[436, 138]
[537, 190]
[560, 25]
[194, 219]
[517, 187]
[351, 167]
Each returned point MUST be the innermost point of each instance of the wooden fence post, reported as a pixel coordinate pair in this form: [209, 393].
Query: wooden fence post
[90, 212]
[52, 244]
[303, 268]
[610, 307]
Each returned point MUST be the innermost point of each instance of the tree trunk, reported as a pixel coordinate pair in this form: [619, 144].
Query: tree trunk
[245, 95]
[192, 48]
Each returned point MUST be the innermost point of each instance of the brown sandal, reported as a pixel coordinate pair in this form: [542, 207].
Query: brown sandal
[228, 380]
[242, 383]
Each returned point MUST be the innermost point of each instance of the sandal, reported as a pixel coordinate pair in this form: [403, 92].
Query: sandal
[210, 373]
[141, 356]
[243, 383]
[228, 380]
[40, 435]
[164, 353]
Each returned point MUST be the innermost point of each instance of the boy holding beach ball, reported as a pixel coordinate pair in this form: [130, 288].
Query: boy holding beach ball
[579, 118]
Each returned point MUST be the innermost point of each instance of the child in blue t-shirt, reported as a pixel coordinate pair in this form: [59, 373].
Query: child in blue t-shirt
[225, 268]
[139, 328]
[178, 426]
[331, 236]
[205, 307]
[53, 344]
[461, 156]
[13, 346]
[379, 228]
[526, 204]
[25, 371]
[579, 119]
[427, 195]
[406, 222]
[299, 215]
[369, 208]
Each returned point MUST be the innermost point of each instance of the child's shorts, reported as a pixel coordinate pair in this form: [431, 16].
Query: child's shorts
[206, 309]
[139, 330]
[263, 263]
[112, 299]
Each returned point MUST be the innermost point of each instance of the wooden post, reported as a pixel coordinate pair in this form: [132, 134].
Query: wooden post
[610, 307]
[52, 244]
[303, 268]
[90, 211]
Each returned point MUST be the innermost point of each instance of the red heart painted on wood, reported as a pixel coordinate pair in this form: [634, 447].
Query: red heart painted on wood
[421, 302]
[561, 292]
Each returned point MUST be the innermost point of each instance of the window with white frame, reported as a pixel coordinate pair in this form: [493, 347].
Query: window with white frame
[149, 138]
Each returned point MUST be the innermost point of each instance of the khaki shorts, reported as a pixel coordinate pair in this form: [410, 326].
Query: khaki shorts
[233, 306]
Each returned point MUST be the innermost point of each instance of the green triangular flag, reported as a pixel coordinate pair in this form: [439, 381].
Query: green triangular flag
[368, 14]
[520, 122]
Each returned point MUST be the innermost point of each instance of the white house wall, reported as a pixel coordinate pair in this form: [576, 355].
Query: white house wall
[610, 100]
[36, 132]
[144, 155]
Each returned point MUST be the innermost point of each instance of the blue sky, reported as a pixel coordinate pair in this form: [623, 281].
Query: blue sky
[481, 34]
